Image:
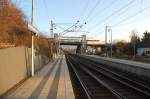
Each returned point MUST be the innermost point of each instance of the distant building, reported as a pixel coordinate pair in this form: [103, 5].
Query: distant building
[144, 48]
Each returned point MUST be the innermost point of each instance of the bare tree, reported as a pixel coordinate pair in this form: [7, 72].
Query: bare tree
[13, 26]
[135, 40]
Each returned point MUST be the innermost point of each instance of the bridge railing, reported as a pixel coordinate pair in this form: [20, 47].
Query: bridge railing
[71, 39]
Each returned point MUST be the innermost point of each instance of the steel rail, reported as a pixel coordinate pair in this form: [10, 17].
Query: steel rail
[86, 66]
[81, 82]
[119, 96]
[147, 92]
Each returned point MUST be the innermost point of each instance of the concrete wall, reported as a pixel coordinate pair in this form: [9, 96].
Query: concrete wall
[39, 60]
[15, 66]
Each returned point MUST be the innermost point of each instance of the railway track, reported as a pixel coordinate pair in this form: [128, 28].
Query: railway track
[92, 81]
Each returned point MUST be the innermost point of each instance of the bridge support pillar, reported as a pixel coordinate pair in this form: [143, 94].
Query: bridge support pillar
[83, 48]
[56, 44]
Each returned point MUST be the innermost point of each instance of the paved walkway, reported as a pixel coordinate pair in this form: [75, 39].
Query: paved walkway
[52, 82]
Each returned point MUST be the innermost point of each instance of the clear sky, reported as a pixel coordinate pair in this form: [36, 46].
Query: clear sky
[123, 15]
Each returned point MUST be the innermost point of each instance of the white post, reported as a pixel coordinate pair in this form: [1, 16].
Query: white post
[111, 42]
[52, 26]
[32, 18]
[106, 40]
[32, 68]
[32, 22]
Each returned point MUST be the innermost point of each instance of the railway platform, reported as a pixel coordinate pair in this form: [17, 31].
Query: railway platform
[137, 68]
[51, 82]
[122, 61]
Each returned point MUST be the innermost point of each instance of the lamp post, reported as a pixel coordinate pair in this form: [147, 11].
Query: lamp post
[106, 40]
[110, 30]
[32, 54]
[111, 42]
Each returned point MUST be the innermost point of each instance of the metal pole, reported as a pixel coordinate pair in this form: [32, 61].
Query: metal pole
[32, 68]
[52, 34]
[106, 40]
[134, 45]
[32, 22]
[111, 42]
[32, 18]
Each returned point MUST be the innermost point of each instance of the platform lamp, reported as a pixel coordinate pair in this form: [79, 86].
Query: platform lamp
[33, 34]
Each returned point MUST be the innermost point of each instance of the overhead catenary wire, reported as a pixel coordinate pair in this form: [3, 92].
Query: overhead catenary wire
[112, 14]
[84, 9]
[59, 26]
[103, 9]
[65, 31]
[93, 9]
[64, 23]
[121, 13]
[46, 8]
[129, 17]
[91, 12]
